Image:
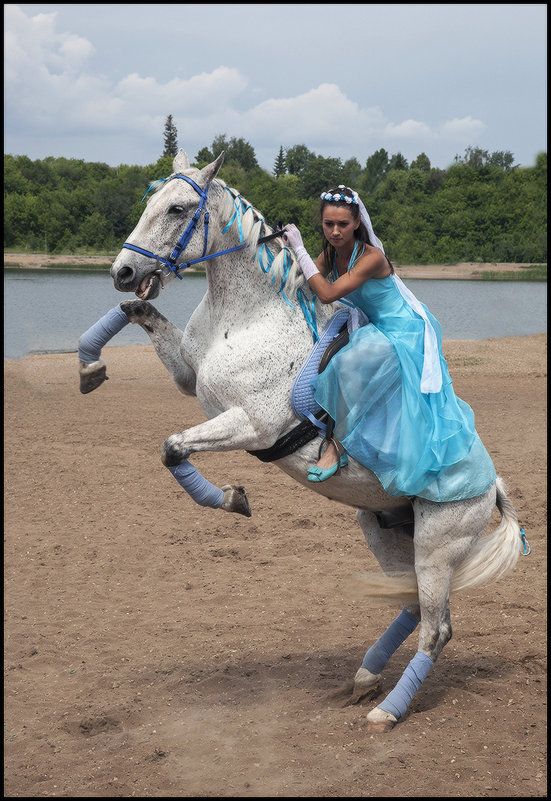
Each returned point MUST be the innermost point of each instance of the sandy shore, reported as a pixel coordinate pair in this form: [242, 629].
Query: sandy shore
[464, 270]
[154, 648]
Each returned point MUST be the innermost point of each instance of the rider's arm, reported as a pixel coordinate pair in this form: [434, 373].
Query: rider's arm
[370, 265]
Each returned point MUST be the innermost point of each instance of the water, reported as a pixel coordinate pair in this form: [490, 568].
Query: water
[47, 312]
[44, 313]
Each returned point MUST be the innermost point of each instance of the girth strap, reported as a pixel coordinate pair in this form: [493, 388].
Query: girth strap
[299, 436]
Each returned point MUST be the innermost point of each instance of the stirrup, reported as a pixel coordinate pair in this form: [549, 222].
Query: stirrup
[339, 448]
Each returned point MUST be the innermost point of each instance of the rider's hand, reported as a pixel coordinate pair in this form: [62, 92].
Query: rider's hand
[292, 236]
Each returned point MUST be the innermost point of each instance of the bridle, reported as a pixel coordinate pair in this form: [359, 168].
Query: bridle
[188, 233]
[307, 307]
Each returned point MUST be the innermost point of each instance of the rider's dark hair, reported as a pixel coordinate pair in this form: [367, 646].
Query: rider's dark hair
[361, 233]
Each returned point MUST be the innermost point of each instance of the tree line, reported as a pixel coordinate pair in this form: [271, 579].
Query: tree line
[481, 208]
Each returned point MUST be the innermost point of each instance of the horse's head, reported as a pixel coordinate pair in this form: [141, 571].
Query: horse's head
[172, 229]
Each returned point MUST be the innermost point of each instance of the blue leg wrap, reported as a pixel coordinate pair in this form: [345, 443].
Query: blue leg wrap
[398, 631]
[398, 699]
[93, 340]
[202, 491]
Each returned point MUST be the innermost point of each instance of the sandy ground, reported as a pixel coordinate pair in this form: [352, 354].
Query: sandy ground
[467, 270]
[154, 648]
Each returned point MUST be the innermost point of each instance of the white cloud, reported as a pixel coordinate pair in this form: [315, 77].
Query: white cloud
[47, 87]
[33, 42]
[55, 100]
[409, 129]
[196, 95]
[322, 115]
[463, 129]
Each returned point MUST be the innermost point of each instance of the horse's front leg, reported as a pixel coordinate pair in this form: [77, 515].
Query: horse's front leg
[166, 339]
[230, 430]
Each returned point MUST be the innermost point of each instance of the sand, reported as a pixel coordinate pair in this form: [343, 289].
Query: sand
[154, 648]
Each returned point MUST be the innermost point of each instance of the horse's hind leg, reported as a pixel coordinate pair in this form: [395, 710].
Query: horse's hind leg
[444, 535]
[393, 549]
[166, 339]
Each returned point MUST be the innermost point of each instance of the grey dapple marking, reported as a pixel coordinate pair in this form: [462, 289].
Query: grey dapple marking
[240, 353]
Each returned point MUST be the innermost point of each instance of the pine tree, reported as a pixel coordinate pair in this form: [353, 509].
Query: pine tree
[280, 167]
[171, 137]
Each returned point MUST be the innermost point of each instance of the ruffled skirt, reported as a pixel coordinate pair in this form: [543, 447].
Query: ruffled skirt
[417, 444]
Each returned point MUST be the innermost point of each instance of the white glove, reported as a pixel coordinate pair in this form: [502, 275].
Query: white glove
[293, 237]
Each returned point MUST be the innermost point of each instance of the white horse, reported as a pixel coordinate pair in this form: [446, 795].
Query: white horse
[239, 355]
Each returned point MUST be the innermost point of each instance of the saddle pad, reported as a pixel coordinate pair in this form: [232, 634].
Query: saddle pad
[302, 393]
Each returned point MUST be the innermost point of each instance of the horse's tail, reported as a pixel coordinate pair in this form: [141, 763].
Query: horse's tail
[490, 558]
[494, 555]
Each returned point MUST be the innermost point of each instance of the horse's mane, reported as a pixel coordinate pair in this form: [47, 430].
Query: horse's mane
[277, 261]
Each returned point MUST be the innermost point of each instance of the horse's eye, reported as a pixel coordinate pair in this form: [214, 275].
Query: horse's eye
[176, 210]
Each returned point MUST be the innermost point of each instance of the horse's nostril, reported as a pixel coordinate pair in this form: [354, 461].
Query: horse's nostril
[125, 275]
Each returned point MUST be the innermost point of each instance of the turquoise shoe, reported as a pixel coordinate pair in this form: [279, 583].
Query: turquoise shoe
[322, 474]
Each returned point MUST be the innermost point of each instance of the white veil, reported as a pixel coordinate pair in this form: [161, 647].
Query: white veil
[431, 378]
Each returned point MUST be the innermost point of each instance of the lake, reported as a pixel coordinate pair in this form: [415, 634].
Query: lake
[48, 311]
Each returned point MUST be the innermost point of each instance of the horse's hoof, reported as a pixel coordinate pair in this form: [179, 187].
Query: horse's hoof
[92, 375]
[379, 721]
[235, 500]
[136, 310]
[367, 686]
[355, 692]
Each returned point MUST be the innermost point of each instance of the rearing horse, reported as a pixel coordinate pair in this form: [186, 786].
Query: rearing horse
[239, 355]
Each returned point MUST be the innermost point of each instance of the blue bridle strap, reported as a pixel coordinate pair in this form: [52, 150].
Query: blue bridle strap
[187, 264]
[307, 309]
[186, 236]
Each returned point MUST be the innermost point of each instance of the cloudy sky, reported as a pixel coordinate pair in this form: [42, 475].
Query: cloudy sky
[97, 81]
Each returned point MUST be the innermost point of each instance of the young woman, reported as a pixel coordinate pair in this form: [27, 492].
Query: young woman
[389, 390]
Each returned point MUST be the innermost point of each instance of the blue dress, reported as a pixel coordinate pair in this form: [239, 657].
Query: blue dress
[417, 444]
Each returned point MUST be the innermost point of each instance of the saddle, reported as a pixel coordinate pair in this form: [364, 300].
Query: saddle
[316, 422]
[333, 338]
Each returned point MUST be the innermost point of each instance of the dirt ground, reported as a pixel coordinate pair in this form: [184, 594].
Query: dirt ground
[154, 648]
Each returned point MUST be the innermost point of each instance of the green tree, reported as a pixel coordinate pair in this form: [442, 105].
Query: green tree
[204, 156]
[398, 162]
[501, 158]
[242, 153]
[351, 172]
[422, 162]
[220, 143]
[297, 158]
[320, 173]
[170, 137]
[280, 167]
[376, 168]
[481, 208]
[236, 151]
[20, 219]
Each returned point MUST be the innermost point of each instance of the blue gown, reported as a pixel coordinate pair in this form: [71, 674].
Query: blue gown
[417, 444]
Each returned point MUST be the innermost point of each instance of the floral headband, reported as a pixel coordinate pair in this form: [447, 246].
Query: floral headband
[336, 197]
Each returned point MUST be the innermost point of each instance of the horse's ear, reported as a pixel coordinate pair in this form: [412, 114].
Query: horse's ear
[181, 161]
[209, 172]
